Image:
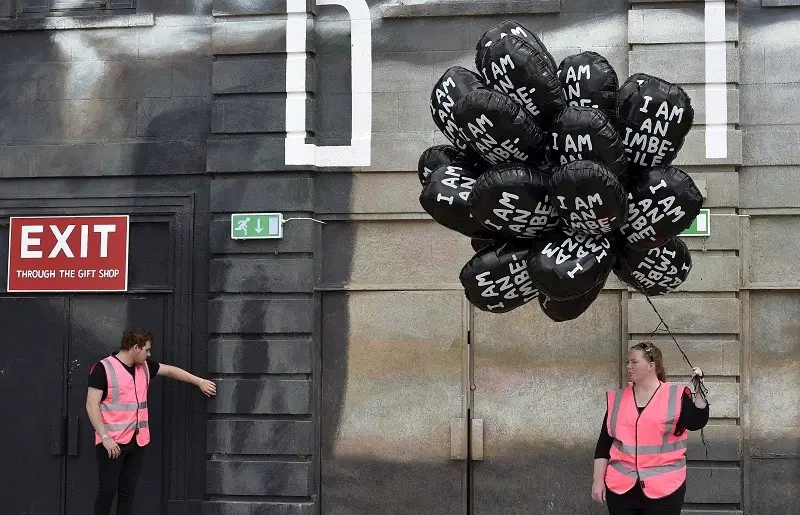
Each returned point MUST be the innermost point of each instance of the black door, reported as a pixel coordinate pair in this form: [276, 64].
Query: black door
[96, 326]
[31, 402]
[47, 441]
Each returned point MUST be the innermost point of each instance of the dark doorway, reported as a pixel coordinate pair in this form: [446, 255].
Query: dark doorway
[49, 345]
[49, 341]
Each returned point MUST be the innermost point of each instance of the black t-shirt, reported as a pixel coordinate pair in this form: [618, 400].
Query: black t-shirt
[691, 418]
[97, 374]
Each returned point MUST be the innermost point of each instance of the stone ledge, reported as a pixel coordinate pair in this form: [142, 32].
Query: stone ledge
[675, 25]
[223, 8]
[115, 21]
[780, 3]
[470, 8]
[693, 152]
[248, 507]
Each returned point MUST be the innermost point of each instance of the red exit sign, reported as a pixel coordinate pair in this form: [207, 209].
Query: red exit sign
[68, 253]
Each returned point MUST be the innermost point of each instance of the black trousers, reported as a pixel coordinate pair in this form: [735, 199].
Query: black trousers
[634, 502]
[118, 477]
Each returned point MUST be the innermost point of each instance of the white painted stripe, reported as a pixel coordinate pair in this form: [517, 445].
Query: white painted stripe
[716, 104]
[362, 115]
[296, 33]
[296, 113]
[296, 68]
[297, 151]
[716, 81]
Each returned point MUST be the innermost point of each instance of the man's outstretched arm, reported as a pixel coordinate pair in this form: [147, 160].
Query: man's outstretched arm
[208, 388]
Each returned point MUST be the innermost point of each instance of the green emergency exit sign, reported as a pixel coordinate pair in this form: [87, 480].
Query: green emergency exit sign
[256, 226]
[701, 226]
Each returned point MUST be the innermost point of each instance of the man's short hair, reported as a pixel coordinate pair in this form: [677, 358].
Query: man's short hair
[135, 337]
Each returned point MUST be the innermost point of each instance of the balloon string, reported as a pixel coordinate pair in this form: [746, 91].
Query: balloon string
[697, 382]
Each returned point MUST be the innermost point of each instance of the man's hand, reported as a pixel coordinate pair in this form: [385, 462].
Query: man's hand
[112, 447]
[208, 388]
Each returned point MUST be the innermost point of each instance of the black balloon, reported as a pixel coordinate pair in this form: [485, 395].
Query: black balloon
[479, 244]
[588, 197]
[662, 203]
[654, 118]
[452, 86]
[567, 264]
[518, 69]
[586, 133]
[433, 158]
[513, 200]
[655, 271]
[496, 279]
[498, 128]
[570, 309]
[589, 80]
[445, 199]
[509, 28]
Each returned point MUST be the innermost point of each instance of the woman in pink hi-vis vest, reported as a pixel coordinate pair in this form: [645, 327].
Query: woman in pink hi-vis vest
[640, 459]
[117, 406]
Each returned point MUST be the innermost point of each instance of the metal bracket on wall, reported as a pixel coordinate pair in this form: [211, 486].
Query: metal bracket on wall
[458, 439]
[466, 439]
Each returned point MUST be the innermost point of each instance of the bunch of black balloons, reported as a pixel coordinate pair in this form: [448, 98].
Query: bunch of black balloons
[559, 175]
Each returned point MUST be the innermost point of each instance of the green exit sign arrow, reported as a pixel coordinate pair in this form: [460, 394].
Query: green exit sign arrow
[256, 226]
[701, 226]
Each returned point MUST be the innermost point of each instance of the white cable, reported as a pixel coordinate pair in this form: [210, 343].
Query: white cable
[301, 218]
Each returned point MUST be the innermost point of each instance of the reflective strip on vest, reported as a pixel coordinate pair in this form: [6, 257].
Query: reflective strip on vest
[650, 449]
[672, 417]
[114, 386]
[648, 472]
[123, 407]
[615, 412]
[121, 427]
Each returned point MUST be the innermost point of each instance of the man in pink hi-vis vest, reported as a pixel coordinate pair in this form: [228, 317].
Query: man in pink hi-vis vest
[117, 408]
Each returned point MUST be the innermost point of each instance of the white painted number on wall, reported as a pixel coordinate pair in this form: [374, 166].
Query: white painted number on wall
[297, 150]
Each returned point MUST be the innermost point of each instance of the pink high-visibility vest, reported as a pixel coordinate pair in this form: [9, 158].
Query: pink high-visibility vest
[644, 446]
[124, 410]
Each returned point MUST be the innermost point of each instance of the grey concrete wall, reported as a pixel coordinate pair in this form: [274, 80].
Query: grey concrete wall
[769, 197]
[99, 102]
[262, 309]
[524, 436]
